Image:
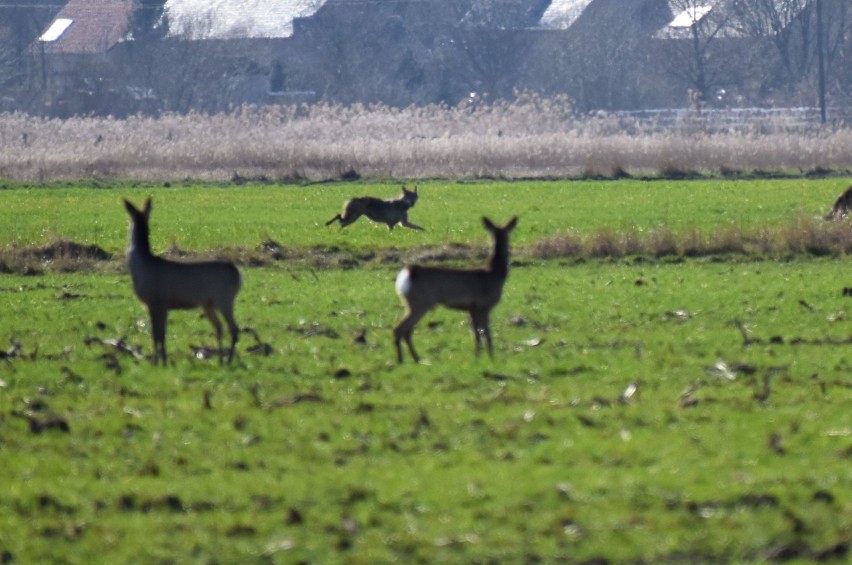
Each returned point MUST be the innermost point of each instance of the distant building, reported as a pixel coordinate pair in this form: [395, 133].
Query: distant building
[96, 56]
[87, 26]
[561, 14]
[233, 19]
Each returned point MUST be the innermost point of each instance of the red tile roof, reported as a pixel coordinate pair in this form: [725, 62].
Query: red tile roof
[96, 26]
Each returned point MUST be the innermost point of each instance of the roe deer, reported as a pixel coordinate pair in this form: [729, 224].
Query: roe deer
[164, 285]
[841, 206]
[476, 291]
[390, 212]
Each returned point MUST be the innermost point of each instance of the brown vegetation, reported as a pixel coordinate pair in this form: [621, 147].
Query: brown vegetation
[801, 236]
[528, 138]
[60, 256]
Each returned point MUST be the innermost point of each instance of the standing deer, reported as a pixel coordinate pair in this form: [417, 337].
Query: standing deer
[164, 285]
[475, 291]
[390, 212]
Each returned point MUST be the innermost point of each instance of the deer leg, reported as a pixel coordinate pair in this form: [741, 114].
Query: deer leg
[403, 330]
[347, 219]
[233, 328]
[397, 337]
[485, 328]
[479, 321]
[210, 312]
[331, 221]
[407, 224]
[476, 337]
[400, 333]
[411, 347]
[159, 317]
[475, 321]
[487, 333]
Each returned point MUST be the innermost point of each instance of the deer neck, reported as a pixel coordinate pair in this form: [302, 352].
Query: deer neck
[500, 260]
[140, 245]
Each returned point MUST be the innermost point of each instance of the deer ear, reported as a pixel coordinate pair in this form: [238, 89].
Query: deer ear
[147, 210]
[128, 206]
[489, 225]
[512, 223]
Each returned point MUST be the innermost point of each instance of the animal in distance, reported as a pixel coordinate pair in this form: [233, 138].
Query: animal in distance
[164, 285]
[476, 291]
[390, 212]
[841, 206]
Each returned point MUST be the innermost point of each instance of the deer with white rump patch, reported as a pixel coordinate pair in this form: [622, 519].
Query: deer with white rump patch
[390, 212]
[475, 291]
[164, 285]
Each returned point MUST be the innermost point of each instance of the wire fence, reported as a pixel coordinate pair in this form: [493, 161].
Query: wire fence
[716, 120]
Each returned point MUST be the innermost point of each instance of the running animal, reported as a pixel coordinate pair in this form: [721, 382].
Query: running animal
[390, 212]
[841, 206]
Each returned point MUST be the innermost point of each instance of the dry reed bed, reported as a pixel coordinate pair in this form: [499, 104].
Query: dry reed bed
[800, 237]
[529, 138]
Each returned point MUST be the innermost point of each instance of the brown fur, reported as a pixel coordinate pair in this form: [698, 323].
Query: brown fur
[841, 206]
[475, 291]
[164, 285]
[390, 212]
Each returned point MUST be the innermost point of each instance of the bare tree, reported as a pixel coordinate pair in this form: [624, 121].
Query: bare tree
[8, 60]
[698, 26]
[22, 67]
[605, 64]
[150, 21]
[788, 24]
[840, 55]
[493, 59]
[809, 48]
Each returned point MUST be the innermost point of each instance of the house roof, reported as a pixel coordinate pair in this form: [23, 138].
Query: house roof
[88, 26]
[687, 15]
[729, 18]
[561, 14]
[690, 16]
[224, 19]
[504, 14]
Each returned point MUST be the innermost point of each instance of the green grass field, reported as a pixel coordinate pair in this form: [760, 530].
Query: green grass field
[639, 411]
[201, 217]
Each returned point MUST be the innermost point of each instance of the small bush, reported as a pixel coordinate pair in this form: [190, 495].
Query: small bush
[563, 245]
[662, 242]
[605, 243]
[726, 240]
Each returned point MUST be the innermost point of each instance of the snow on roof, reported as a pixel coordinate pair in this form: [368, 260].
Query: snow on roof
[561, 14]
[691, 16]
[220, 19]
[56, 29]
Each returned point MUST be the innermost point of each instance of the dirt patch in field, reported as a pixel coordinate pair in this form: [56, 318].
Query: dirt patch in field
[61, 255]
[71, 250]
